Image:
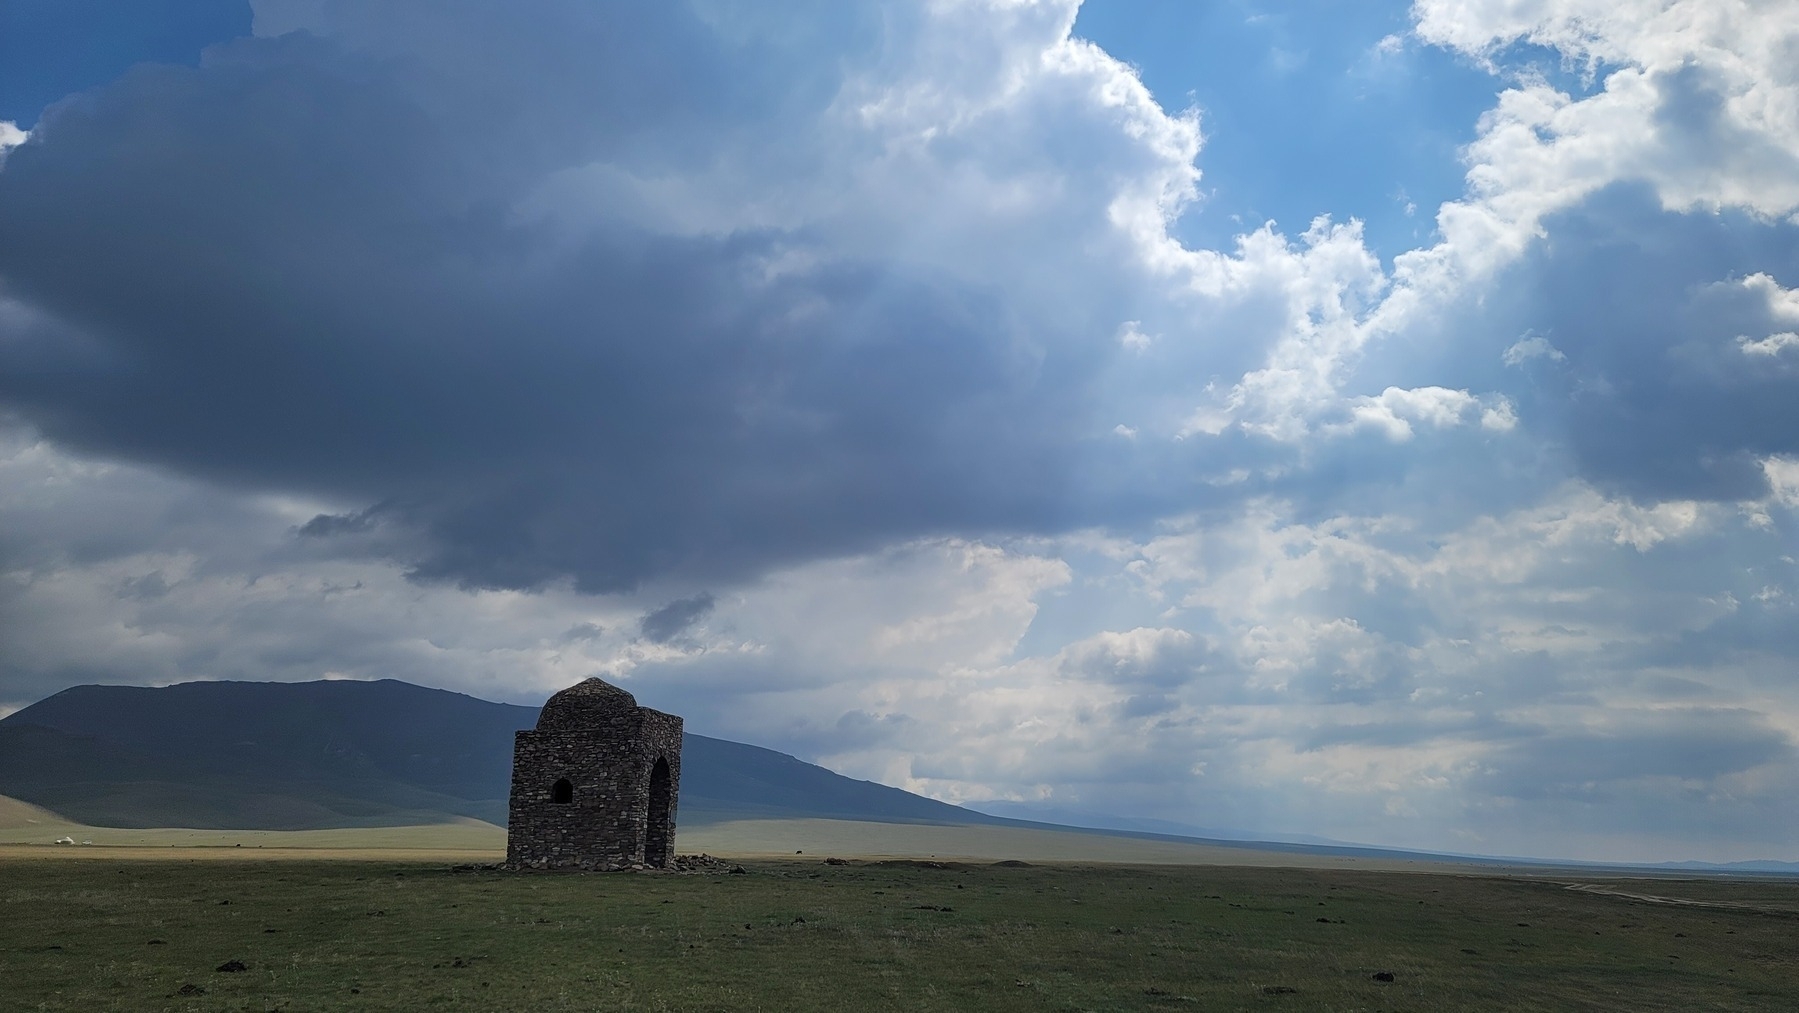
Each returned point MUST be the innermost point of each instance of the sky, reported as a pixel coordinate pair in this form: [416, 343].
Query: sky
[1369, 420]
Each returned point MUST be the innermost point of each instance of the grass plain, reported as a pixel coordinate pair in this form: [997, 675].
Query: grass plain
[800, 934]
[23, 826]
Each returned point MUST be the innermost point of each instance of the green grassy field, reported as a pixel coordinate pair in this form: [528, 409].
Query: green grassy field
[805, 935]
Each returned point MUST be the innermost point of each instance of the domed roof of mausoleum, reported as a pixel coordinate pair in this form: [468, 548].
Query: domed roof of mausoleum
[583, 704]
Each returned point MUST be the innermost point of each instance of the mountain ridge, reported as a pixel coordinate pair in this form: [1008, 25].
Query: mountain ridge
[330, 754]
[306, 755]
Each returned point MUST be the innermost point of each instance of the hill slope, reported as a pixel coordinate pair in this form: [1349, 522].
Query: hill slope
[346, 754]
[16, 815]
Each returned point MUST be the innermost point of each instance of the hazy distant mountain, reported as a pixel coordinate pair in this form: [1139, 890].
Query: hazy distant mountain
[333, 754]
[1733, 868]
[1091, 820]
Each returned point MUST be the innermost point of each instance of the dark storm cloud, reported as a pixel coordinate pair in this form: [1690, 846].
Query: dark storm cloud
[1656, 398]
[1694, 743]
[333, 262]
[853, 731]
[327, 525]
[583, 633]
[664, 624]
[299, 267]
[1413, 730]
[1758, 627]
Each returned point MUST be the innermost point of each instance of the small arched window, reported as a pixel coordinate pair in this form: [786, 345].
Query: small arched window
[562, 793]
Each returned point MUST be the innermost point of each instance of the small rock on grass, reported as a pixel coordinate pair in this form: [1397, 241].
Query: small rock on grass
[1383, 976]
[233, 966]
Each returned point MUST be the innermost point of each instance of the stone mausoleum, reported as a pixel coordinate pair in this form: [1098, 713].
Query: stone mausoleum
[594, 785]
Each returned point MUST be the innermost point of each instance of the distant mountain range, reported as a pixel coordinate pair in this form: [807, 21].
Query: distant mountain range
[318, 755]
[1089, 819]
[309, 755]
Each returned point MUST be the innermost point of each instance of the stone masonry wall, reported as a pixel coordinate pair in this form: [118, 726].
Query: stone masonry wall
[606, 747]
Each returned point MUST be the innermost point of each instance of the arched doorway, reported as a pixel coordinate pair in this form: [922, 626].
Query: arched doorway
[658, 845]
[562, 792]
